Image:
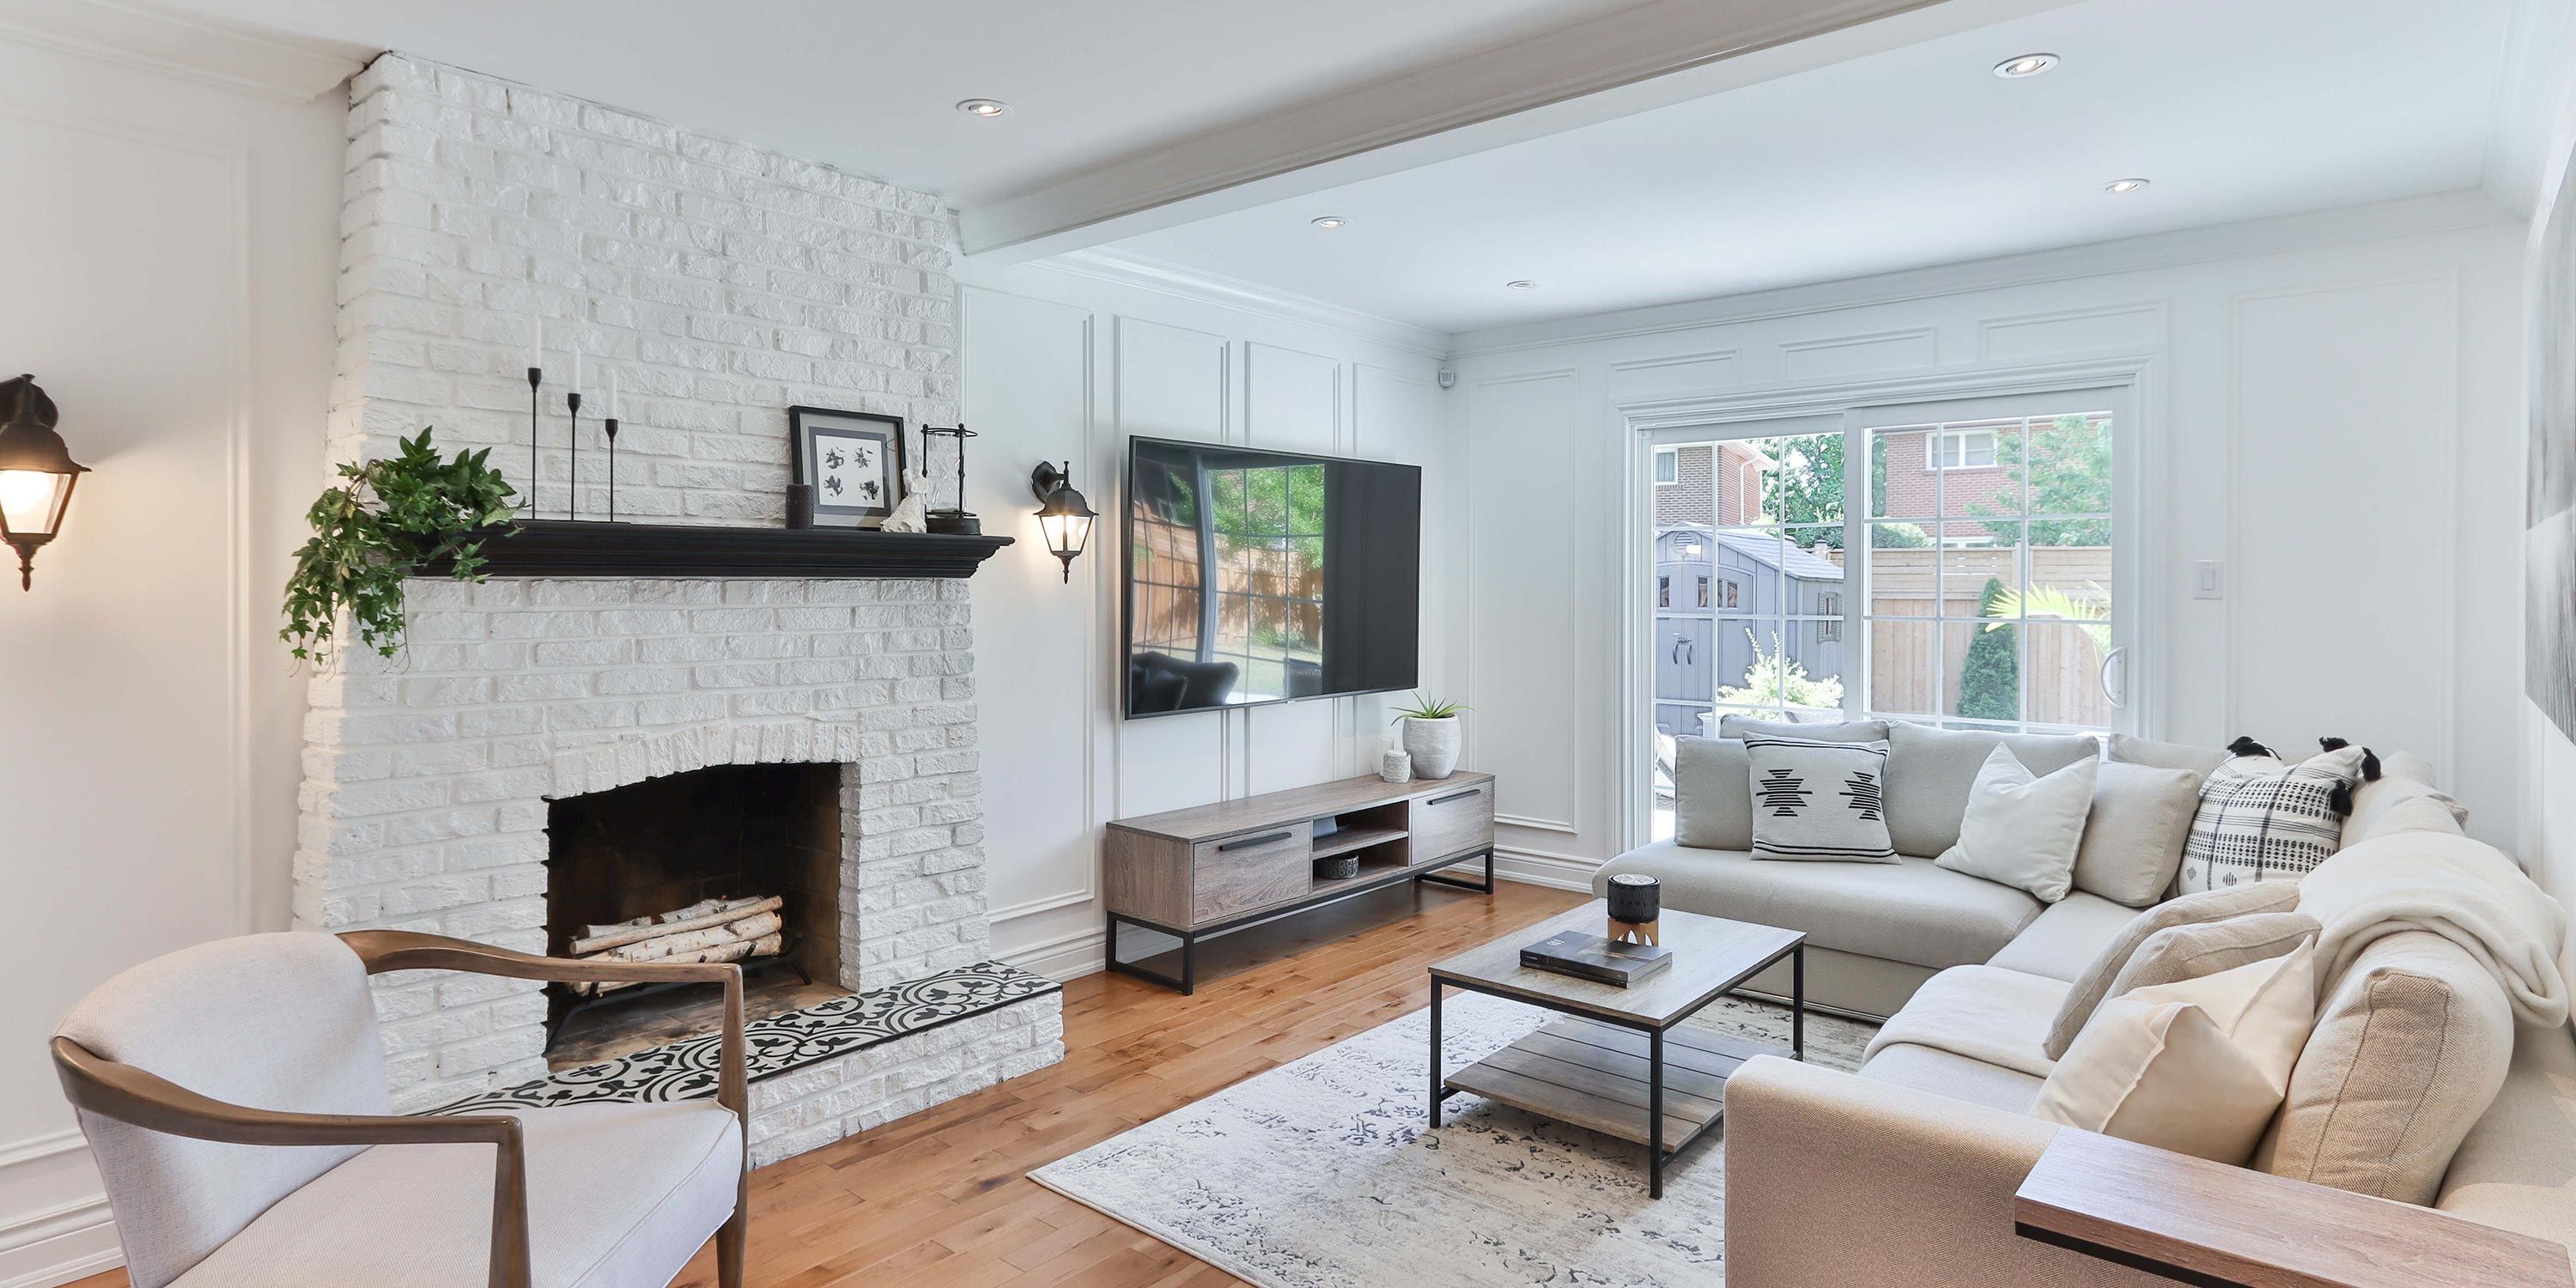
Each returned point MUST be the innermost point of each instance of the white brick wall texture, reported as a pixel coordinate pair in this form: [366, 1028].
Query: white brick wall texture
[725, 283]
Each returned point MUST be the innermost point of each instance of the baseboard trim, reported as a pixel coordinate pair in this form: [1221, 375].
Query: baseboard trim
[1540, 868]
[1064, 958]
[83, 1235]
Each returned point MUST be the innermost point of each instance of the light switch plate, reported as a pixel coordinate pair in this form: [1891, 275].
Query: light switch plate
[2209, 579]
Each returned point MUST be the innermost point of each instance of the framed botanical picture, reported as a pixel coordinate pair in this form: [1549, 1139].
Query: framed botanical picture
[854, 459]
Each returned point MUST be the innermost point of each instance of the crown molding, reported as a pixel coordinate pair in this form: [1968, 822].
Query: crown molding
[2443, 212]
[1166, 278]
[288, 68]
[1645, 56]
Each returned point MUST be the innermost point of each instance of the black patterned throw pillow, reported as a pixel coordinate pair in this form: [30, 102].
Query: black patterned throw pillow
[1816, 800]
[2263, 819]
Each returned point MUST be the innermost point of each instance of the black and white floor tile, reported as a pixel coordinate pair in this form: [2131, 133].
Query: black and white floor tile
[687, 1070]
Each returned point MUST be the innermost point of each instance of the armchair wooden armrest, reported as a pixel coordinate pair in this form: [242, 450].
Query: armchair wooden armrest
[113, 1089]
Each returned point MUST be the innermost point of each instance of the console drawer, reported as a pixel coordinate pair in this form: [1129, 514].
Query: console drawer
[1452, 822]
[1254, 870]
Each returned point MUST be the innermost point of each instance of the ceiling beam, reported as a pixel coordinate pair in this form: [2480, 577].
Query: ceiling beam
[1651, 55]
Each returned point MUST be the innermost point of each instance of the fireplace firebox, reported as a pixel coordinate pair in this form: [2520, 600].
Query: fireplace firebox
[730, 862]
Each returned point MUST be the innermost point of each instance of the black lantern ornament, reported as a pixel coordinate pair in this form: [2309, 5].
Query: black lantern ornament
[1064, 517]
[37, 473]
[957, 520]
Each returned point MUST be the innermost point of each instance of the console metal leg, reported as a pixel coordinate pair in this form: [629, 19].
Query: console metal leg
[1455, 883]
[1189, 965]
[1655, 1115]
[1185, 983]
[1798, 1002]
[1436, 1094]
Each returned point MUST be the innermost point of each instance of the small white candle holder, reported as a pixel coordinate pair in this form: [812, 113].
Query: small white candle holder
[1395, 766]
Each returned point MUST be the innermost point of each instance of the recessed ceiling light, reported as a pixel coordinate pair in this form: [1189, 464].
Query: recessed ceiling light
[1522, 284]
[1328, 221]
[986, 107]
[2124, 185]
[2025, 65]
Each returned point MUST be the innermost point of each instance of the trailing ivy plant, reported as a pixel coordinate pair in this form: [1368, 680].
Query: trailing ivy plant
[389, 518]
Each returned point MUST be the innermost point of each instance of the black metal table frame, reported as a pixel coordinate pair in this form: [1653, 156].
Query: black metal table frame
[1186, 982]
[1656, 1154]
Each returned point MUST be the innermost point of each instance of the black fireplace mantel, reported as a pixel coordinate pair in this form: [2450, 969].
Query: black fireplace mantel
[564, 548]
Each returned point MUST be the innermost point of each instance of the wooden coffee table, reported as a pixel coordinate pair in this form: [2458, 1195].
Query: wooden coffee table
[1616, 1063]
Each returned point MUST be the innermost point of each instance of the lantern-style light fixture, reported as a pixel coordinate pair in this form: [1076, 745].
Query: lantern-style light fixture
[36, 473]
[1064, 518]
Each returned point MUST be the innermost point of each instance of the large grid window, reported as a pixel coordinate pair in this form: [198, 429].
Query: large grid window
[1269, 537]
[1990, 573]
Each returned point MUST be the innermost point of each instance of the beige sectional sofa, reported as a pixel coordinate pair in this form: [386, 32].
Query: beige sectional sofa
[2416, 1085]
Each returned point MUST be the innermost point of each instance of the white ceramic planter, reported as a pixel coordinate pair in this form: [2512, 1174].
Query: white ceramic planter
[1433, 744]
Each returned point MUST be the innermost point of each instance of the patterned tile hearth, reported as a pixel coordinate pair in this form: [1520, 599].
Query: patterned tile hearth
[810, 1035]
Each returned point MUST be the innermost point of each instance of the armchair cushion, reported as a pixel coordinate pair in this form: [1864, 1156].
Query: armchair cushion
[278, 1021]
[619, 1196]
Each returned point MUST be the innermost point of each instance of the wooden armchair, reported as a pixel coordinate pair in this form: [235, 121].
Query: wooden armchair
[235, 1096]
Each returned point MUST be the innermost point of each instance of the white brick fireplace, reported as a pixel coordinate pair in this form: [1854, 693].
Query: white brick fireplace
[724, 284]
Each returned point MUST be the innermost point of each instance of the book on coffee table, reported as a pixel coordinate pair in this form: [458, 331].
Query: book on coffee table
[1596, 957]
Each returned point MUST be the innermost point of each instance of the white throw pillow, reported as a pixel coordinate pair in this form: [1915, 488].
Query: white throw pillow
[1819, 800]
[2024, 830]
[2198, 1067]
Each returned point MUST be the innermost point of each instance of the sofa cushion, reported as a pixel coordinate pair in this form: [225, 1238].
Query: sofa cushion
[618, 1195]
[2514, 1169]
[1909, 911]
[2178, 953]
[2022, 828]
[2197, 1067]
[2408, 1052]
[2134, 834]
[2165, 755]
[1712, 793]
[1981, 1012]
[2262, 820]
[1945, 1073]
[2065, 939]
[2396, 803]
[1819, 801]
[2214, 905]
[1740, 727]
[1931, 771]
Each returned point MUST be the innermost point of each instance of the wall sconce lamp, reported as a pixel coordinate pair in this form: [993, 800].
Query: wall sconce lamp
[36, 473]
[1064, 518]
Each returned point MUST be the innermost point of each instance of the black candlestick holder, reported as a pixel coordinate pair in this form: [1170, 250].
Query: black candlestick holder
[956, 520]
[536, 378]
[572, 492]
[610, 425]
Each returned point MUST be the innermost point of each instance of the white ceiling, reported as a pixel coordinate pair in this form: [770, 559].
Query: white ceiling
[2236, 109]
[870, 85]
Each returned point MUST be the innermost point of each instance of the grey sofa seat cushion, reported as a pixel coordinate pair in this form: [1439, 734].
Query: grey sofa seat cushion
[2514, 1169]
[1931, 771]
[2065, 939]
[619, 1196]
[1943, 1073]
[1909, 911]
[1712, 793]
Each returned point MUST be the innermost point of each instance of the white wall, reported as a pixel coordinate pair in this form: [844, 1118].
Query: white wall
[170, 260]
[1065, 365]
[2331, 399]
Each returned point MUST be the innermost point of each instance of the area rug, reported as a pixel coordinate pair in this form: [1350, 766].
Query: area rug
[1319, 1174]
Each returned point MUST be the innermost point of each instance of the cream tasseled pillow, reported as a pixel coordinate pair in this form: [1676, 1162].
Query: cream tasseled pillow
[2197, 1067]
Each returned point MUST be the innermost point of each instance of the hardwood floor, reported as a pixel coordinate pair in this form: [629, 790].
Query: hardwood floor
[943, 1199]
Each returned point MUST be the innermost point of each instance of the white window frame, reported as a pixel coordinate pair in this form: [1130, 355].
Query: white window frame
[1934, 445]
[2134, 385]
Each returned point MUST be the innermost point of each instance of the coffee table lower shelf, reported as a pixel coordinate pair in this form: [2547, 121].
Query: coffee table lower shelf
[1597, 1076]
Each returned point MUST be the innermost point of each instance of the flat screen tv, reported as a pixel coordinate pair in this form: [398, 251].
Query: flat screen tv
[1257, 577]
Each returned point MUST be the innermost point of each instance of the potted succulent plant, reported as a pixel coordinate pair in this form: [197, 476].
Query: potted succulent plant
[1431, 736]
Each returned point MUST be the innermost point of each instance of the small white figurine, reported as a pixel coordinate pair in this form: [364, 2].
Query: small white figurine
[908, 513]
